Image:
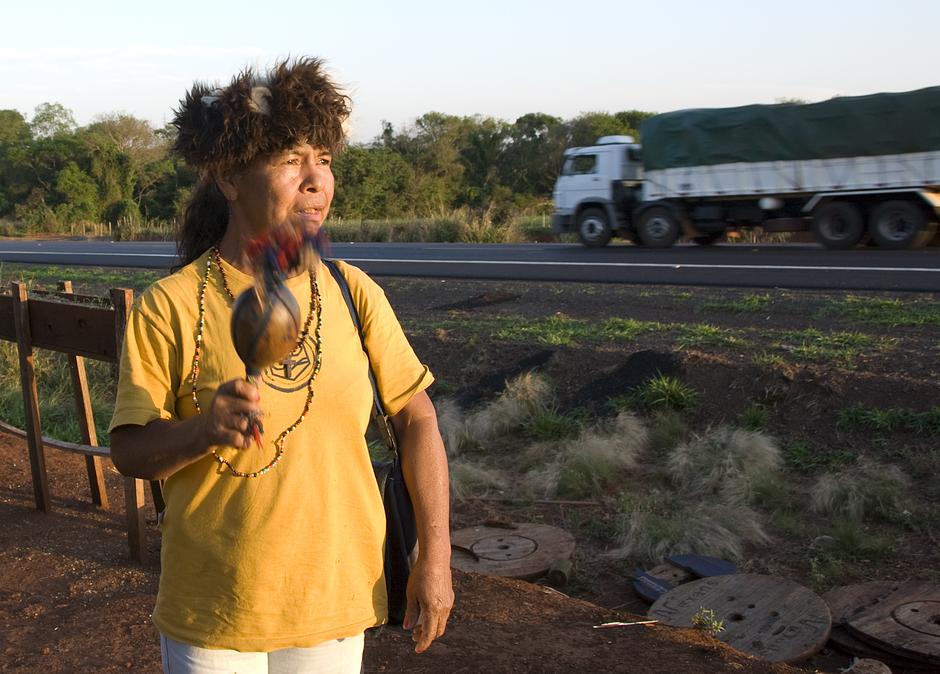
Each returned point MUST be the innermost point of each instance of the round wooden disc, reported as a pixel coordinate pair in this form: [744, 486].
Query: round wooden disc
[771, 618]
[905, 620]
[846, 642]
[526, 551]
[849, 601]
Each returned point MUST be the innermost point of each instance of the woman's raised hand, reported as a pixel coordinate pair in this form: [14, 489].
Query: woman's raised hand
[226, 421]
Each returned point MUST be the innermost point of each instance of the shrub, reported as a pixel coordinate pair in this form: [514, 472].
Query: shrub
[867, 490]
[724, 462]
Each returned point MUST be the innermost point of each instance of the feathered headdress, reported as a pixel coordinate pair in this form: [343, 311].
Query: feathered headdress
[224, 129]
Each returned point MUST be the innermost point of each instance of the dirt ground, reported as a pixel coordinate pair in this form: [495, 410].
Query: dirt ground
[70, 600]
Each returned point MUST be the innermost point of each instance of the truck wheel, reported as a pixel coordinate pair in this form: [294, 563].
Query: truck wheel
[838, 225]
[658, 227]
[593, 229]
[900, 224]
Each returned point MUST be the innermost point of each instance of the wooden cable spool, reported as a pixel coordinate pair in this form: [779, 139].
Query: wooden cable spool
[525, 551]
[769, 617]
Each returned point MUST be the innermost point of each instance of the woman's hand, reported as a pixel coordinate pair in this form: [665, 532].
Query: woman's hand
[226, 421]
[430, 596]
[160, 448]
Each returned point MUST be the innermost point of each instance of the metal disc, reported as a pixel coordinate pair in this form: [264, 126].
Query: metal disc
[769, 617]
[524, 551]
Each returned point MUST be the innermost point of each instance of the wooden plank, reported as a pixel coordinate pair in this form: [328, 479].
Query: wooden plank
[121, 299]
[73, 328]
[62, 445]
[7, 331]
[134, 517]
[24, 347]
[86, 420]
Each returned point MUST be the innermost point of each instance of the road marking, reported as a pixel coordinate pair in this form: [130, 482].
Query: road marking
[662, 265]
[71, 254]
[647, 265]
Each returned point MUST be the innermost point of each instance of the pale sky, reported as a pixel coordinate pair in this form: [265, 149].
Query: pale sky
[399, 60]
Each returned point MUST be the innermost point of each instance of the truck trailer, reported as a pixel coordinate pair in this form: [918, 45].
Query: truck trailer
[846, 169]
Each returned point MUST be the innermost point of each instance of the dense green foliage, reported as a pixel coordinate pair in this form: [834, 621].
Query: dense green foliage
[118, 170]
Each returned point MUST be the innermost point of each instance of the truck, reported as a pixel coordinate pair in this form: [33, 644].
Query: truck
[850, 170]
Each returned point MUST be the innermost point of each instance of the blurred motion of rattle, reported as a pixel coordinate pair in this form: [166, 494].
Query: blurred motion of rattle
[266, 319]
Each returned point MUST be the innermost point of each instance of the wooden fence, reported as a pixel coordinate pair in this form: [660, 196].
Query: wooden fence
[81, 327]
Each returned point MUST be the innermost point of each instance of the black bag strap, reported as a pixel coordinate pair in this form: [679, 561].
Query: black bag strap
[378, 409]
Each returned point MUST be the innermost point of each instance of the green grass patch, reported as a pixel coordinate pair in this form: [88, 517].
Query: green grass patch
[802, 458]
[551, 425]
[85, 280]
[889, 312]
[750, 303]
[754, 418]
[889, 420]
[842, 348]
[561, 330]
[704, 334]
[56, 398]
[664, 392]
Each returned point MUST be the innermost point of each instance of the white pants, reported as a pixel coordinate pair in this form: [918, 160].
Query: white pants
[339, 656]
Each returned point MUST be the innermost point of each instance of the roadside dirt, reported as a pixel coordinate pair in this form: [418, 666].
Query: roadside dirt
[70, 601]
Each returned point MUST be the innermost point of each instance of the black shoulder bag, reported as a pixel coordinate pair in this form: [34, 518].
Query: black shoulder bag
[401, 532]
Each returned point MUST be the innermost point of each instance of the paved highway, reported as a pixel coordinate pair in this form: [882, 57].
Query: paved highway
[783, 266]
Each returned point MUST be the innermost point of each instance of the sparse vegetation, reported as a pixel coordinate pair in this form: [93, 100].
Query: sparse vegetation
[840, 347]
[593, 461]
[860, 417]
[891, 312]
[866, 491]
[699, 335]
[666, 392]
[723, 464]
[803, 458]
[746, 303]
[754, 418]
[707, 620]
[654, 527]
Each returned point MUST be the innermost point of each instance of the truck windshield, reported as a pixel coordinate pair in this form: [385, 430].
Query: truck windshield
[579, 164]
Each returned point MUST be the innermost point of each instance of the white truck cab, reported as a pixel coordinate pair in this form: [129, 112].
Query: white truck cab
[588, 187]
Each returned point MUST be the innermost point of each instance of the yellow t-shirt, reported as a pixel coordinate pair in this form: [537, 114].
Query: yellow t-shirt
[294, 557]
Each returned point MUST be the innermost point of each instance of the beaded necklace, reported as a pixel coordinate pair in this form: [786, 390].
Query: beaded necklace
[315, 306]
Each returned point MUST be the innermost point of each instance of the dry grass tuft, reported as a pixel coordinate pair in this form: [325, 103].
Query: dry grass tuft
[587, 465]
[468, 480]
[542, 481]
[725, 462]
[653, 529]
[524, 397]
[594, 460]
[450, 421]
[866, 490]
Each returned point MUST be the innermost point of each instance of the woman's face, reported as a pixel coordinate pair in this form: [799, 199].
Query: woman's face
[295, 185]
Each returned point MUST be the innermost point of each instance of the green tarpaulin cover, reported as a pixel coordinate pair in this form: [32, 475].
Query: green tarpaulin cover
[841, 127]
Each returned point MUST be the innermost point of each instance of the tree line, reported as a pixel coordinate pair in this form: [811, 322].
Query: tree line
[118, 169]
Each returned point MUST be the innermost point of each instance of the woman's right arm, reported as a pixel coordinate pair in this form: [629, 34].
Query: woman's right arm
[163, 446]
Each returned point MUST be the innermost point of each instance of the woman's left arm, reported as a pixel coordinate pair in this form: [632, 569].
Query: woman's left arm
[424, 463]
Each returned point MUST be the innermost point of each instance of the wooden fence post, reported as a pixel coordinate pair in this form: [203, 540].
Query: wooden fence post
[121, 298]
[86, 421]
[24, 347]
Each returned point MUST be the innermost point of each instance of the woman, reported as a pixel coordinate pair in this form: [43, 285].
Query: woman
[272, 555]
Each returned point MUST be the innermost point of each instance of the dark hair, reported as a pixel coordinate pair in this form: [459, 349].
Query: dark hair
[204, 221]
[223, 130]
